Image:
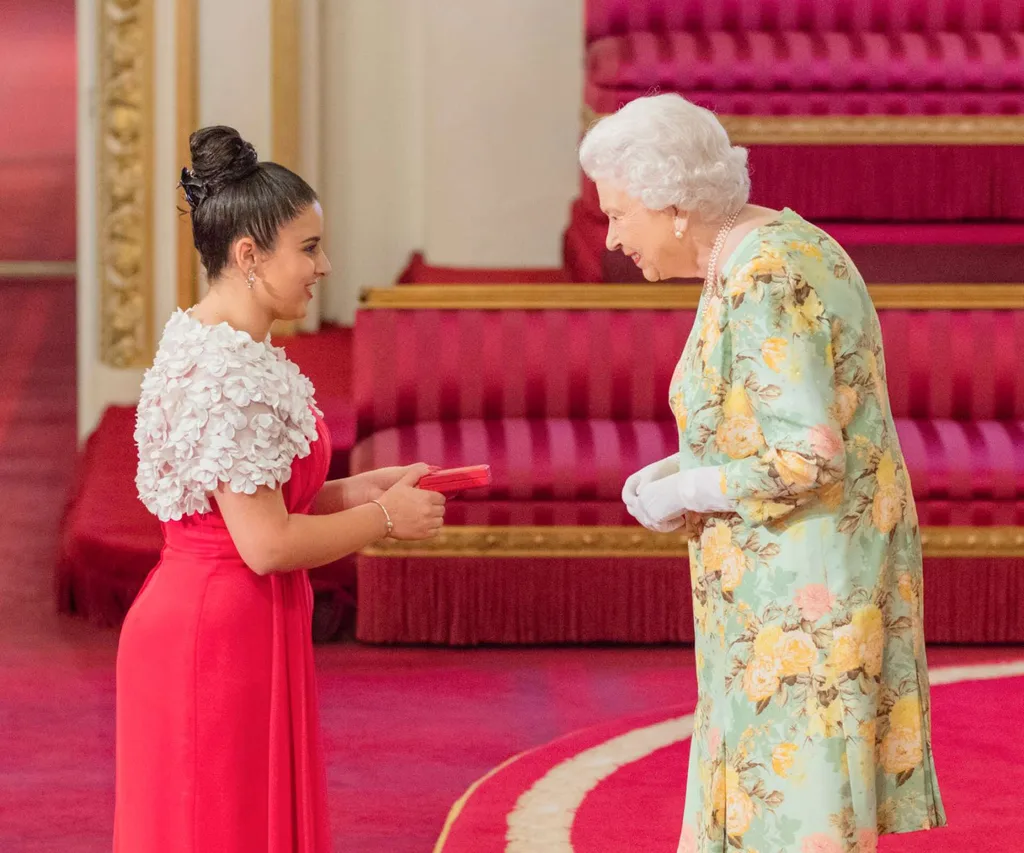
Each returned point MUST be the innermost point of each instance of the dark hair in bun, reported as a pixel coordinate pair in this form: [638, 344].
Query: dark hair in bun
[232, 194]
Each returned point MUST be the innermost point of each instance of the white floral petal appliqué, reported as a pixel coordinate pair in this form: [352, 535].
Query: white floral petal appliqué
[217, 407]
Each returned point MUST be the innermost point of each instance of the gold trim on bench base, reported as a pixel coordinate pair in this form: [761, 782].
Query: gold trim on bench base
[670, 297]
[865, 130]
[638, 542]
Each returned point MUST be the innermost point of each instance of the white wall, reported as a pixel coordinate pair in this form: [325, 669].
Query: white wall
[234, 68]
[372, 149]
[448, 126]
[503, 90]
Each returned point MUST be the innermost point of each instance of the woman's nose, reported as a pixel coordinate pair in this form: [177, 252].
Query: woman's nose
[611, 241]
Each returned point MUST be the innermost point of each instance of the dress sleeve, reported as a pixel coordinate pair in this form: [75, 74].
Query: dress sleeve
[778, 425]
[195, 433]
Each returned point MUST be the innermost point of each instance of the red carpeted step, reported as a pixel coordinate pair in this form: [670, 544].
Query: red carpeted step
[885, 252]
[419, 271]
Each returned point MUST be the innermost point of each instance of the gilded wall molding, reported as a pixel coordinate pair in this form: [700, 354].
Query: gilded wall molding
[614, 542]
[285, 99]
[284, 84]
[125, 134]
[865, 130]
[667, 297]
[186, 93]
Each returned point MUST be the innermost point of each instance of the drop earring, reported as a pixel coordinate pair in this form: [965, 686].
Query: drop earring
[251, 280]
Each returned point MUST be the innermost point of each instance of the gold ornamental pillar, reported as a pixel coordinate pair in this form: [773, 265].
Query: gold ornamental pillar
[124, 282]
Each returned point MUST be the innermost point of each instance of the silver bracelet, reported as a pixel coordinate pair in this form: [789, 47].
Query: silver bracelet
[387, 516]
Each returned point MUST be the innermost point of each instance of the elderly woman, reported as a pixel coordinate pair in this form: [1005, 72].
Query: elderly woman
[813, 727]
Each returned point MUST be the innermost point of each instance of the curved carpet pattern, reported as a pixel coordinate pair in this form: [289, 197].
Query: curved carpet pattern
[619, 786]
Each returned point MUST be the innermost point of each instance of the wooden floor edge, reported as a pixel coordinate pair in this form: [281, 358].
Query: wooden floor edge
[624, 542]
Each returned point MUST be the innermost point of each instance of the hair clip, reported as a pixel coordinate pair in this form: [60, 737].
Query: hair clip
[195, 190]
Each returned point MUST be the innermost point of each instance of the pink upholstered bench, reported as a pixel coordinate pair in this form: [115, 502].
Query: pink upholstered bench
[565, 402]
[930, 83]
[900, 112]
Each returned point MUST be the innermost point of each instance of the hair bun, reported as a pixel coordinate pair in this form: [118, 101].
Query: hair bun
[219, 157]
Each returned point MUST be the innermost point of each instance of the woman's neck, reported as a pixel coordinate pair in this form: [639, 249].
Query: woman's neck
[230, 301]
[751, 216]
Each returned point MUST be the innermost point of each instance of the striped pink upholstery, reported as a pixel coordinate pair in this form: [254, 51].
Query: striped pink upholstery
[588, 460]
[805, 62]
[415, 366]
[975, 513]
[451, 365]
[964, 460]
[615, 17]
[543, 459]
[959, 365]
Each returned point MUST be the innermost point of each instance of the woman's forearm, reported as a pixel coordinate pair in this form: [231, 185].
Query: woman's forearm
[333, 497]
[308, 541]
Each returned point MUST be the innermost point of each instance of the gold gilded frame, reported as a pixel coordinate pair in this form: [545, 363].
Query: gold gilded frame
[865, 130]
[284, 83]
[624, 542]
[187, 108]
[285, 98]
[124, 187]
[507, 297]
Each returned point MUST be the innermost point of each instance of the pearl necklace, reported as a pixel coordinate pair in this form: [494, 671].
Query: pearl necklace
[716, 249]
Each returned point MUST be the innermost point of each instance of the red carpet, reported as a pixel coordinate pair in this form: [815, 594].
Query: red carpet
[620, 786]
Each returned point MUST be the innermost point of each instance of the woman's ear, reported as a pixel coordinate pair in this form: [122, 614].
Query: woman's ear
[680, 221]
[244, 254]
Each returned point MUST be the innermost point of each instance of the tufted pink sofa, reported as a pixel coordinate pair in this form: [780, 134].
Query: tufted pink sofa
[565, 403]
[895, 113]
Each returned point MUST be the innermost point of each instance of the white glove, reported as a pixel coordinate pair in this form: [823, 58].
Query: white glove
[631, 497]
[695, 490]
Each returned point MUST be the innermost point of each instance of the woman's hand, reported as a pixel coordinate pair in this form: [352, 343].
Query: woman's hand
[631, 490]
[699, 490]
[415, 513]
[370, 485]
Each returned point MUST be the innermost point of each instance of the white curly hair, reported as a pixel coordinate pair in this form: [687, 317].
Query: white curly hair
[666, 152]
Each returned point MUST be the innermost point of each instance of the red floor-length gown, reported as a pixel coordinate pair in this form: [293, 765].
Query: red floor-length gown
[218, 735]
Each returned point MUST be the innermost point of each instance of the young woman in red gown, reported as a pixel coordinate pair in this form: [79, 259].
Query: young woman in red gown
[218, 735]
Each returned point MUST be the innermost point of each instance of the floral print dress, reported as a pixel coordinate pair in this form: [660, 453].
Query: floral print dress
[812, 730]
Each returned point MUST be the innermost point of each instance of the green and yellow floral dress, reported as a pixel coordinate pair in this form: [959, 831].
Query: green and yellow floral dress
[812, 728]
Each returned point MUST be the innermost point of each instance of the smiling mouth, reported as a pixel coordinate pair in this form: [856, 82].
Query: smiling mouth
[635, 257]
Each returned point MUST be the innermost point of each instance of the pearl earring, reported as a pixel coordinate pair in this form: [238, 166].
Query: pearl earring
[679, 234]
